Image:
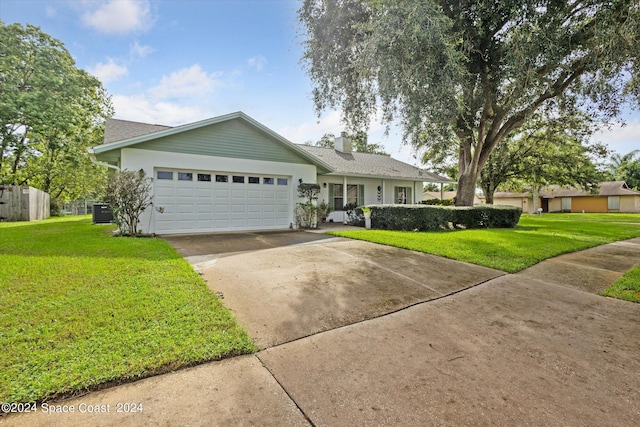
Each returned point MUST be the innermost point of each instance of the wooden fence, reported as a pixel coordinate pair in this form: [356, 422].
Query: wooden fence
[19, 203]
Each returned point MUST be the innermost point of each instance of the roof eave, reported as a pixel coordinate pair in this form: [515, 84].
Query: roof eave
[100, 149]
[398, 177]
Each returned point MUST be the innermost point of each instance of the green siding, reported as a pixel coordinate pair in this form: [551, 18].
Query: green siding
[233, 138]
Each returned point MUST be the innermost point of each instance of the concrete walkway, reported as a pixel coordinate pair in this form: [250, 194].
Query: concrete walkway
[361, 334]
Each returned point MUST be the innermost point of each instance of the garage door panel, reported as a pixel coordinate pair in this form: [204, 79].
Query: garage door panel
[238, 208]
[222, 208]
[204, 224]
[204, 193]
[185, 209]
[192, 206]
[239, 193]
[202, 208]
[221, 223]
[268, 222]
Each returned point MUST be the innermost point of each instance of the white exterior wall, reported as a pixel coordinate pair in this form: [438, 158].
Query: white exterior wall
[136, 159]
[370, 191]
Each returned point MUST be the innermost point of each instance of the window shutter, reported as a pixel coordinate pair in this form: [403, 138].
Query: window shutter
[361, 195]
[395, 195]
[409, 195]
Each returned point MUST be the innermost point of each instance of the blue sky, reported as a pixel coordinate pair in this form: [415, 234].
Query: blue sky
[177, 61]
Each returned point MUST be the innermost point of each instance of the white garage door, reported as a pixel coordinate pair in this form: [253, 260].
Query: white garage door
[187, 201]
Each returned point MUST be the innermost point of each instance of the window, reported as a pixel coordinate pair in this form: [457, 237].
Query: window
[283, 181]
[164, 175]
[185, 176]
[222, 178]
[268, 181]
[566, 204]
[402, 195]
[238, 179]
[204, 177]
[254, 180]
[613, 203]
[355, 195]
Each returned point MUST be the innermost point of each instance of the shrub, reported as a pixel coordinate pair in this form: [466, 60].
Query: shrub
[438, 202]
[427, 217]
[307, 214]
[128, 194]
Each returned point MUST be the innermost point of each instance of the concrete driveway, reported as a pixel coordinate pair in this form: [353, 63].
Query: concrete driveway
[311, 282]
[534, 348]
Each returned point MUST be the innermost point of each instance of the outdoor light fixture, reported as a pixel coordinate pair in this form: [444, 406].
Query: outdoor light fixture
[300, 180]
[324, 184]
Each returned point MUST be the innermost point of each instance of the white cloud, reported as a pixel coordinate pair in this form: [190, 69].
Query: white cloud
[138, 50]
[621, 139]
[186, 82]
[139, 108]
[305, 132]
[119, 16]
[109, 71]
[258, 62]
[176, 100]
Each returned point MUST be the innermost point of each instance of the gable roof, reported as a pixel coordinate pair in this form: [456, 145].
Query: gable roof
[119, 130]
[607, 188]
[370, 165]
[122, 134]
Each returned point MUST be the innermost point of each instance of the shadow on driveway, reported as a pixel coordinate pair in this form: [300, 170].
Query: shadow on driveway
[194, 245]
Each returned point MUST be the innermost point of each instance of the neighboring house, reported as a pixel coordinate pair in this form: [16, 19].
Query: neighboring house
[233, 173]
[612, 196]
[429, 195]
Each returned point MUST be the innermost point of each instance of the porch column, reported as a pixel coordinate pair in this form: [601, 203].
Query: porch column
[344, 198]
[442, 191]
[384, 191]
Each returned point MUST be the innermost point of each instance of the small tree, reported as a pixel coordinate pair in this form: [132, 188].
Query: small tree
[129, 194]
[307, 212]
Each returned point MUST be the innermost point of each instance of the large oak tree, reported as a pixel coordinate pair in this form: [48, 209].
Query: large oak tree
[461, 76]
[50, 113]
[545, 151]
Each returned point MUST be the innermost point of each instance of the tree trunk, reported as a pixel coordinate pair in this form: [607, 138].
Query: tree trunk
[488, 196]
[466, 189]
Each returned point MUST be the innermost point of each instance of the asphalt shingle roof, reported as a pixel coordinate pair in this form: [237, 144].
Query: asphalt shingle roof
[119, 130]
[607, 188]
[366, 164]
[354, 163]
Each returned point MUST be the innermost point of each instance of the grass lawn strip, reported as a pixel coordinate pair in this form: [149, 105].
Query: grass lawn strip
[535, 239]
[79, 308]
[627, 287]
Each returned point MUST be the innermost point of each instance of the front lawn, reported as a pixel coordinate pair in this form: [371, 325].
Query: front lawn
[536, 238]
[627, 287]
[79, 308]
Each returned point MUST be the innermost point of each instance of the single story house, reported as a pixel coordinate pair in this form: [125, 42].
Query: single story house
[233, 173]
[612, 196]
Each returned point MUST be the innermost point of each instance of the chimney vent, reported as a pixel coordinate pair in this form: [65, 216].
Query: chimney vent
[343, 143]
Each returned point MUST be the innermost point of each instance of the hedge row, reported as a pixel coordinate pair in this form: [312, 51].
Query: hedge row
[425, 217]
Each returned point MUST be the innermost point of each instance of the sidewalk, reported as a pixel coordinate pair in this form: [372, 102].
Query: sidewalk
[537, 347]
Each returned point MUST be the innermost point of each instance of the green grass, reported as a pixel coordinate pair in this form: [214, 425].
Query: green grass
[79, 308]
[627, 287]
[533, 240]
